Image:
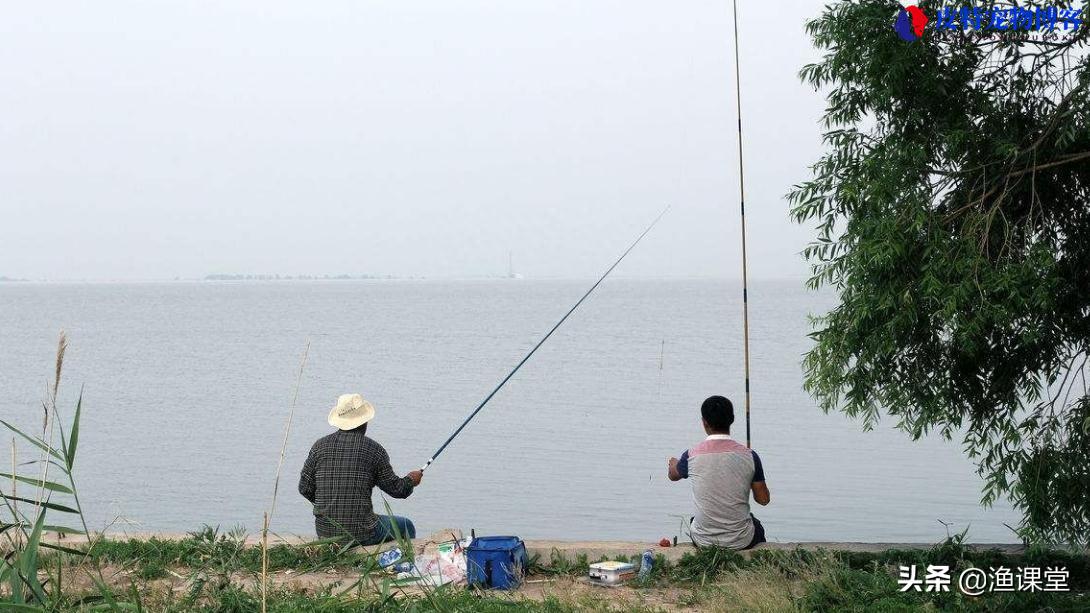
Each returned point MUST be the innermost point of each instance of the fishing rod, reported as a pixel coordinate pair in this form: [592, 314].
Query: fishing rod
[742, 201]
[540, 343]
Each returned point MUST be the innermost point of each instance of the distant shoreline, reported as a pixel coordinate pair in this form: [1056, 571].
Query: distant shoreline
[341, 277]
[214, 279]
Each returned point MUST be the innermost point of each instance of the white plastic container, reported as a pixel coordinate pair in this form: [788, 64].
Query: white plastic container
[611, 573]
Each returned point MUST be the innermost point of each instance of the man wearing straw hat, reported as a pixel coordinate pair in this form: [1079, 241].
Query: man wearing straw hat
[340, 472]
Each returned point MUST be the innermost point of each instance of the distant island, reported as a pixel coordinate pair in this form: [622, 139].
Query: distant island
[237, 277]
[4, 279]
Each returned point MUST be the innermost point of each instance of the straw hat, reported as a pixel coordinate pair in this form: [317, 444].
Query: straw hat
[352, 411]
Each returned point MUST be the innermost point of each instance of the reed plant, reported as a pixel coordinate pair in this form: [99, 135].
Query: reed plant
[31, 585]
[267, 518]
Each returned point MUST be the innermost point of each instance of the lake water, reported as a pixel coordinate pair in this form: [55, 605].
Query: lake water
[187, 388]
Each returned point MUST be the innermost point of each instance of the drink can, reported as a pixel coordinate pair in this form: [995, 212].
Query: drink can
[646, 563]
[388, 557]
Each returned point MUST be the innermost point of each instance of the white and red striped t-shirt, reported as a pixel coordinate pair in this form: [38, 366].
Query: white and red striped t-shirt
[722, 472]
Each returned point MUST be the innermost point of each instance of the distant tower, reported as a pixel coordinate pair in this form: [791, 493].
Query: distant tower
[511, 274]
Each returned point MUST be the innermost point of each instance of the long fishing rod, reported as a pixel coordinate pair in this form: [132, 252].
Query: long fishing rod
[541, 342]
[742, 201]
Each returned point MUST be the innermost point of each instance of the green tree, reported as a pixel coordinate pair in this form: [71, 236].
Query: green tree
[952, 211]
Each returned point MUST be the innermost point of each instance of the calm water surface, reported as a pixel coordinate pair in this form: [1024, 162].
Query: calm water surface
[187, 388]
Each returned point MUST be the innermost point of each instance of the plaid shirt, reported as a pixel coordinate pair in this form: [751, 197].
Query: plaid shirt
[337, 478]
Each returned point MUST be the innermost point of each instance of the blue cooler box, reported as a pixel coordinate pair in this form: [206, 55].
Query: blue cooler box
[496, 562]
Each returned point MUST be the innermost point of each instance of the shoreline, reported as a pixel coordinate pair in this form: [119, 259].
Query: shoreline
[596, 549]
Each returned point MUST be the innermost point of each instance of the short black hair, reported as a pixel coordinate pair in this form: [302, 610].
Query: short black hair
[718, 412]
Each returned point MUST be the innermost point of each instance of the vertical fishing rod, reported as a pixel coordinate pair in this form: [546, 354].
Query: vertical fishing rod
[540, 343]
[742, 202]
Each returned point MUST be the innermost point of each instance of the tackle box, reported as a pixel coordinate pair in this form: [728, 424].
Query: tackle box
[611, 573]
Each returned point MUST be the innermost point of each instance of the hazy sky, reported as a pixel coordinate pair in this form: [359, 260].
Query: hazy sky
[427, 137]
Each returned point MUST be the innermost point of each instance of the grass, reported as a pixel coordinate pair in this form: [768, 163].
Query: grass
[279, 600]
[211, 549]
[216, 571]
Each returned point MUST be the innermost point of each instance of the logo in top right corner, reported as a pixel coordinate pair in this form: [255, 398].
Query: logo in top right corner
[910, 23]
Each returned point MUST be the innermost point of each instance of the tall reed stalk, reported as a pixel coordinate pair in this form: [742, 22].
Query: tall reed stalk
[49, 408]
[276, 484]
[287, 428]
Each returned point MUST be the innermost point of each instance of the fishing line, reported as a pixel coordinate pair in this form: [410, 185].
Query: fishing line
[540, 343]
[742, 202]
[662, 354]
[658, 396]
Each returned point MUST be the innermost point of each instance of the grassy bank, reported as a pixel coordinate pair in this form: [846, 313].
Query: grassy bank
[214, 571]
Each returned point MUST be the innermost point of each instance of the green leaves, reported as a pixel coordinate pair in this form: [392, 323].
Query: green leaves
[49, 485]
[73, 439]
[30, 586]
[49, 505]
[27, 565]
[34, 440]
[951, 211]
[12, 606]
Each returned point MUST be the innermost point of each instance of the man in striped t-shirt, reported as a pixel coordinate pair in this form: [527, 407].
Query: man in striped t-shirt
[723, 473]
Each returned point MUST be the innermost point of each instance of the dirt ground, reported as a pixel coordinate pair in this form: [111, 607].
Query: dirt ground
[180, 581]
